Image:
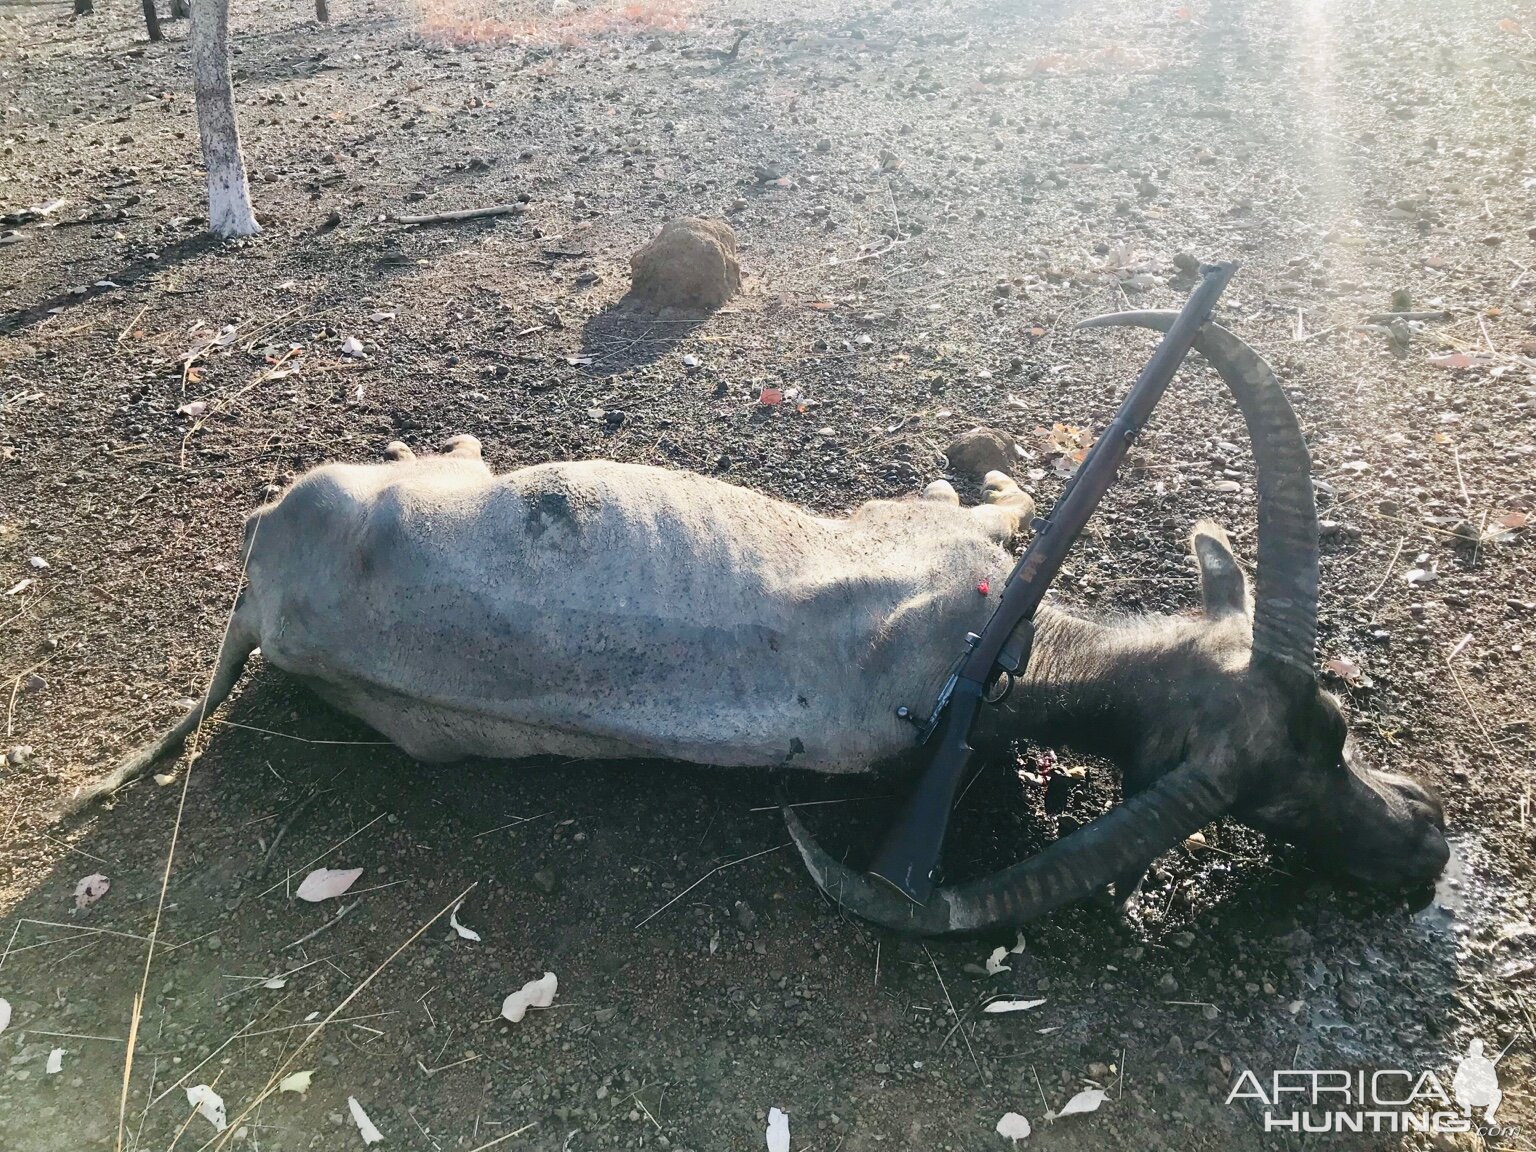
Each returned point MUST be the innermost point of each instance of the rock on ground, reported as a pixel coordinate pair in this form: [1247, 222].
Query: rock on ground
[981, 450]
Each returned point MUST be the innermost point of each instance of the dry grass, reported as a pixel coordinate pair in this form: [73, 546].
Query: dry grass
[547, 22]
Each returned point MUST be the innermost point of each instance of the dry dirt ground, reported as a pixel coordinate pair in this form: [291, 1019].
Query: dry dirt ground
[927, 195]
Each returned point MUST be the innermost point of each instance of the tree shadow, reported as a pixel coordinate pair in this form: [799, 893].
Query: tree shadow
[130, 274]
[624, 335]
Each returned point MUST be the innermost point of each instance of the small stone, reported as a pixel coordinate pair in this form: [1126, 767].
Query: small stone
[213, 943]
[1185, 262]
[745, 916]
[544, 881]
[1167, 985]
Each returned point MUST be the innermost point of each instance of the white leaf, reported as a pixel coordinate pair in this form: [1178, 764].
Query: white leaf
[209, 1104]
[453, 922]
[38, 562]
[275, 983]
[778, 1131]
[327, 883]
[1088, 1100]
[298, 1082]
[1018, 945]
[1012, 1005]
[5, 1013]
[91, 889]
[370, 1134]
[352, 346]
[995, 965]
[194, 409]
[1013, 1127]
[538, 993]
[55, 1062]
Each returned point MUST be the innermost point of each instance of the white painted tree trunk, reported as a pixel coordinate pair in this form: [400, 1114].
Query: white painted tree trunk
[229, 196]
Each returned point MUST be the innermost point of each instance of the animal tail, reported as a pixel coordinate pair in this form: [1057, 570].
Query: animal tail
[240, 640]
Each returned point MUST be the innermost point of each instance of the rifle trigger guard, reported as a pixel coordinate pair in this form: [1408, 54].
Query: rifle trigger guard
[997, 691]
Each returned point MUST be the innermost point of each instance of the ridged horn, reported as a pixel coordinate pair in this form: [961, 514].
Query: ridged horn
[1285, 598]
[1123, 841]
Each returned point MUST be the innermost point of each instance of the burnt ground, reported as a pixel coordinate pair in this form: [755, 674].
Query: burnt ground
[1043, 162]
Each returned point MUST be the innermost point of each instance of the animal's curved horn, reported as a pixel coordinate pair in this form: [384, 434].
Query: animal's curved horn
[1285, 601]
[1121, 842]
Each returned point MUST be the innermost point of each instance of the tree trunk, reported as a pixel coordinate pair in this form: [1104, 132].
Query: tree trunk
[152, 22]
[82, 7]
[322, 13]
[229, 196]
[179, 10]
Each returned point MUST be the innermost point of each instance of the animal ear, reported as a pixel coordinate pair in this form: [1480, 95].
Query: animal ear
[1223, 586]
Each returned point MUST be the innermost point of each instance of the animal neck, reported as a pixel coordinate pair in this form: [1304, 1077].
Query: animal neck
[1086, 687]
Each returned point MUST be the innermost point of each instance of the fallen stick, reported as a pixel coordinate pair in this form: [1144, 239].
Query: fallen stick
[1388, 317]
[460, 214]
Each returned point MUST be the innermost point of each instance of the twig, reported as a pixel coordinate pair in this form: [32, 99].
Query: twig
[322, 855]
[1391, 564]
[329, 924]
[266, 858]
[514, 824]
[706, 876]
[170, 856]
[272, 1081]
[302, 739]
[1466, 501]
[963, 1035]
[1467, 700]
[461, 214]
[1388, 317]
[508, 1136]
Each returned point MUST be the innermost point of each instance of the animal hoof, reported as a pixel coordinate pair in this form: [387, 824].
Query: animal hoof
[941, 491]
[463, 445]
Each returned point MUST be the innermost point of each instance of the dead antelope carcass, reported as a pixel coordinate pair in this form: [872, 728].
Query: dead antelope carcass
[611, 610]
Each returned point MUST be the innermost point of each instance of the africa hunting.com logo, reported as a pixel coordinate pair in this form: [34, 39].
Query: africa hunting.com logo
[1337, 1100]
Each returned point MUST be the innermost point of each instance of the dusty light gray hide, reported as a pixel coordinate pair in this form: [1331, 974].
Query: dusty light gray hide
[598, 609]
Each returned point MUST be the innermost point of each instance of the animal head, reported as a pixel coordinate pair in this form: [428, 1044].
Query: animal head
[1223, 715]
[1285, 740]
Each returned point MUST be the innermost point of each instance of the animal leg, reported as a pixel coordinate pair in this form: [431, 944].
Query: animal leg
[942, 492]
[397, 452]
[463, 445]
[239, 642]
[1008, 507]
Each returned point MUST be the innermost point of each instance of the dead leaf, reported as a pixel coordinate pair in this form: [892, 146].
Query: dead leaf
[453, 922]
[998, 1006]
[209, 1105]
[5, 1013]
[538, 993]
[778, 1131]
[91, 889]
[1013, 1127]
[297, 1082]
[55, 1063]
[327, 883]
[1460, 360]
[1087, 1100]
[1346, 670]
[365, 1128]
[995, 965]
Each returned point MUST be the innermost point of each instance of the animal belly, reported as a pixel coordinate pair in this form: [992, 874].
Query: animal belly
[434, 734]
